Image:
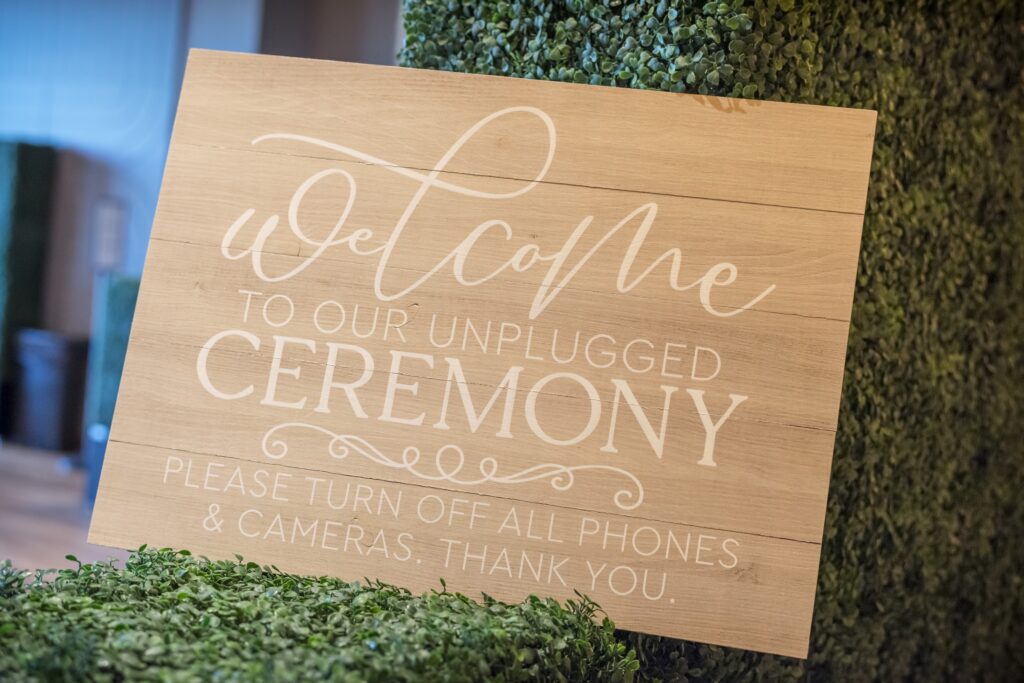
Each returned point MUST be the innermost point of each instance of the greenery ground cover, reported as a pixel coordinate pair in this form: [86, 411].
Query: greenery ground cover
[167, 616]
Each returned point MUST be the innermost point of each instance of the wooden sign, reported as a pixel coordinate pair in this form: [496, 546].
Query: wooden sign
[533, 338]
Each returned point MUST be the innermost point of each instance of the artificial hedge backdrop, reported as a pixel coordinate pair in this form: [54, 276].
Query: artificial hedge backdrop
[921, 574]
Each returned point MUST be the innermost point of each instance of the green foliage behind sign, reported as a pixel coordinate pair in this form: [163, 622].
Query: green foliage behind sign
[921, 574]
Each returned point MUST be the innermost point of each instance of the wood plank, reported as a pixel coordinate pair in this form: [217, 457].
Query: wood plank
[193, 294]
[810, 256]
[771, 582]
[763, 483]
[813, 157]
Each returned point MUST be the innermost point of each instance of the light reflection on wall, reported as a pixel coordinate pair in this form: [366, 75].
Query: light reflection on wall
[99, 79]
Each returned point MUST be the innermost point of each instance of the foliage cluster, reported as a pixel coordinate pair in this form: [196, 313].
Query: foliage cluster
[168, 616]
[921, 574]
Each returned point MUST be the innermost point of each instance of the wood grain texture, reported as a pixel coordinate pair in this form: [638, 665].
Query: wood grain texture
[764, 241]
[693, 146]
[774, 582]
[619, 315]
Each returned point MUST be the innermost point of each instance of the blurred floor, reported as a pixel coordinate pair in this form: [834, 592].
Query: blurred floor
[42, 516]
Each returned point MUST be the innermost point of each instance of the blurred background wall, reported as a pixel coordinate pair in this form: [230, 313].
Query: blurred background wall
[88, 92]
[367, 31]
[99, 80]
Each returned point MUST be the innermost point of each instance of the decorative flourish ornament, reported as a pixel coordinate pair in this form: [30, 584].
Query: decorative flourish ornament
[449, 463]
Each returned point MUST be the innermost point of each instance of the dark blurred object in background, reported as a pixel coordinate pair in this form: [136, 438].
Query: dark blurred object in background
[51, 386]
[366, 31]
[113, 308]
[26, 181]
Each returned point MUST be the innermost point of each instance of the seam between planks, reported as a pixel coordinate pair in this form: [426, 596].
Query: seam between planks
[473, 493]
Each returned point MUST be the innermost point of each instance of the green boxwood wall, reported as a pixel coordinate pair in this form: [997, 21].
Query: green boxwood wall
[921, 574]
